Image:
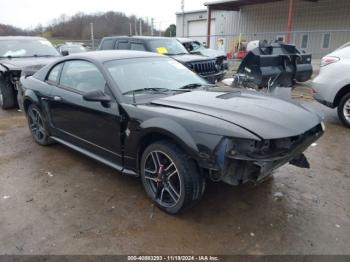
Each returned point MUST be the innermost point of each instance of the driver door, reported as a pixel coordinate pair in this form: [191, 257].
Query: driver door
[92, 126]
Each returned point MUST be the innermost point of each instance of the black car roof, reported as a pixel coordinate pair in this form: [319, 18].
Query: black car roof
[108, 55]
[139, 37]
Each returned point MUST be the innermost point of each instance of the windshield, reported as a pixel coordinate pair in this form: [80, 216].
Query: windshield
[72, 49]
[167, 46]
[26, 47]
[197, 46]
[151, 74]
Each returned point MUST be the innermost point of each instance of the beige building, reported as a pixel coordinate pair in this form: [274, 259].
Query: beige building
[316, 26]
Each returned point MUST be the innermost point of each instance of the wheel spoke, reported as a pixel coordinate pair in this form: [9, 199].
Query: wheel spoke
[151, 178]
[155, 160]
[171, 187]
[172, 195]
[169, 166]
[151, 171]
[172, 174]
[162, 194]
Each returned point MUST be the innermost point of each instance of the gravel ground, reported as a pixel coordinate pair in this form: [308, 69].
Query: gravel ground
[56, 201]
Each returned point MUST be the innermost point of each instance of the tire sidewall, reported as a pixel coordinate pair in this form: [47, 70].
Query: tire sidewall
[341, 106]
[165, 149]
[7, 93]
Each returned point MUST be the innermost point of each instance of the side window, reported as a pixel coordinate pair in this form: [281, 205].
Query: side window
[326, 41]
[82, 76]
[107, 44]
[54, 74]
[137, 47]
[122, 45]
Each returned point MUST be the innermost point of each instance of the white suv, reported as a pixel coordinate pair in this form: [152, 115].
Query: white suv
[332, 86]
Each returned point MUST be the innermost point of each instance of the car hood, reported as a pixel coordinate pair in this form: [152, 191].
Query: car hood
[189, 58]
[210, 53]
[262, 115]
[21, 63]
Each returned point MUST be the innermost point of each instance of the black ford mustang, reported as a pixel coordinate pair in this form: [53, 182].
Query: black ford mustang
[146, 114]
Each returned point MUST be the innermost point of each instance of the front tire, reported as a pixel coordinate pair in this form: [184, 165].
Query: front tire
[37, 126]
[170, 177]
[7, 96]
[344, 110]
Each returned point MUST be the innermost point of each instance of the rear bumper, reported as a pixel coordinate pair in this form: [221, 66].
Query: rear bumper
[321, 100]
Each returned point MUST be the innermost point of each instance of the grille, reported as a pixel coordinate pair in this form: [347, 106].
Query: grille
[203, 68]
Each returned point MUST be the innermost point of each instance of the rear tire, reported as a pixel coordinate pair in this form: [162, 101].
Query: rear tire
[7, 96]
[171, 177]
[38, 126]
[344, 110]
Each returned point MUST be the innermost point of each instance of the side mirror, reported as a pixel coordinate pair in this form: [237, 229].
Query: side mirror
[64, 52]
[98, 96]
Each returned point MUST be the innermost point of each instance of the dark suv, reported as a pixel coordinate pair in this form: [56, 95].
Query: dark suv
[204, 66]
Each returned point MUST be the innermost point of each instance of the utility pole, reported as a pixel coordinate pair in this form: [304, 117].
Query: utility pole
[130, 27]
[152, 22]
[183, 17]
[135, 26]
[160, 28]
[92, 36]
[140, 26]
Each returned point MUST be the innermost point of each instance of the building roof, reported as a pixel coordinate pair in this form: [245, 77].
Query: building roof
[192, 12]
[235, 5]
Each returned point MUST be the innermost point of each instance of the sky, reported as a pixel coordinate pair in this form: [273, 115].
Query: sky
[28, 14]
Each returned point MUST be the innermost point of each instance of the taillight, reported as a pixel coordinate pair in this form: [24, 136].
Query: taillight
[327, 60]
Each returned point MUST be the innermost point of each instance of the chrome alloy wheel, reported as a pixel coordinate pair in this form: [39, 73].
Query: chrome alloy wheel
[162, 178]
[36, 124]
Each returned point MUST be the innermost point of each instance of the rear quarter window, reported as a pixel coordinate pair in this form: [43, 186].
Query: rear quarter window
[107, 44]
[122, 45]
[54, 74]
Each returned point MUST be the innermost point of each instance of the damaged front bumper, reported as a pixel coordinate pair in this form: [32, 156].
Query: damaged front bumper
[240, 161]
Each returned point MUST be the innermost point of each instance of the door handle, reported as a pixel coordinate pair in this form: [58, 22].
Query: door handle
[57, 98]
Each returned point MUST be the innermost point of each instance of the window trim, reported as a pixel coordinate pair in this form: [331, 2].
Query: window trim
[121, 41]
[329, 42]
[67, 88]
[59, 74]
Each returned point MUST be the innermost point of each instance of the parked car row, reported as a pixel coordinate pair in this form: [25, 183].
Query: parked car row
[154, 115]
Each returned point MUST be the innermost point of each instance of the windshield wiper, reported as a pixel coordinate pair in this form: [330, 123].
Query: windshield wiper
[196, 85]
[154, 90]
[26, 56]
[177, 54]
[35, 55]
